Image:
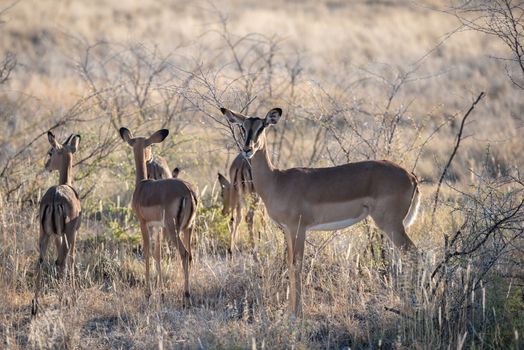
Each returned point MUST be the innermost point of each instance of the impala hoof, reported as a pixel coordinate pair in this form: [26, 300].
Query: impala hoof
[187, 300]
[34, 308]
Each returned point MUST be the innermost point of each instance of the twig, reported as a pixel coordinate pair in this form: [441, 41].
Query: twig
[453, 153]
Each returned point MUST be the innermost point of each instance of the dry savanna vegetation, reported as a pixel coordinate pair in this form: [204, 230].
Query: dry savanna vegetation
[435, 86]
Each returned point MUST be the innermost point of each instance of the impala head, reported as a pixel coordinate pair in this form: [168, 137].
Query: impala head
[148, 154]
[225, 187]
[60, 152]
[253, 128]
[142, 144]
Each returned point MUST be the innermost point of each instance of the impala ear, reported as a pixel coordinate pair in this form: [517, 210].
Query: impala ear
[223, 181]
[157, 137]
[176, 171]
[74, 141]
[126, 135]
[52, 140]
[233, 117]
[273, 116]
[66, 142]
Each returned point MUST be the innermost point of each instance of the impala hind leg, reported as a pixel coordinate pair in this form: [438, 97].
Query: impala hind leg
[295, 237]
[71, 232]
[66, 260]
[394, 229]
[43, 242]
[185, 254]
[188, 232]
[146, 240]
[187, 263]
[389, 217]
[58, 245]
[66, 257]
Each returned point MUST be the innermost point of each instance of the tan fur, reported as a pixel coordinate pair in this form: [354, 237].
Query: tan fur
[168, 202]
[302, 199]
[60, 210]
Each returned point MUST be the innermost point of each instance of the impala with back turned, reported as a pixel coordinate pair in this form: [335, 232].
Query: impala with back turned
[169, 203]
[236, 194]
[60, 211]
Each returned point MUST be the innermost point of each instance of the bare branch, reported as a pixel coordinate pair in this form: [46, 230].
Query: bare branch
[453, 153]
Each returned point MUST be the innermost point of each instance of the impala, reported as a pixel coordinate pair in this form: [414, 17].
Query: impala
[326, 199]
[157, 167]
[237, 193]
[169, 203]
[60, 211]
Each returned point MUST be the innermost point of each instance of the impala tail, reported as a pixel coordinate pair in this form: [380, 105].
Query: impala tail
[187, 211]
[192, 212]
[415, 204]
[53, 219]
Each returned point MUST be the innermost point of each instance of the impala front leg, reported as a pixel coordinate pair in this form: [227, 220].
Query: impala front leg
[296, 237]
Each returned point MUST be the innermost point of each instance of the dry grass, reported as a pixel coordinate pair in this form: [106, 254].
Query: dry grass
[354, 83]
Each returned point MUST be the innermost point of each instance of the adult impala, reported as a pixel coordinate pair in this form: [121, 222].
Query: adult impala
[60, 211]
[169, 203]
[236, 194]
[326, 199]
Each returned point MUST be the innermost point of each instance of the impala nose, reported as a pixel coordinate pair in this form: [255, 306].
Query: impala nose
[247, 154]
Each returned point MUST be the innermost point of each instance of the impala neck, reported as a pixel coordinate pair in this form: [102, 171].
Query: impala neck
[262, 171]
[140, 163]
[66, 170]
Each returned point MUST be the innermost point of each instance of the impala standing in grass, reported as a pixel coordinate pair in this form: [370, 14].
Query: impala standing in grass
[236, 194]
[60, 211]
[326, 199]
[169, 203]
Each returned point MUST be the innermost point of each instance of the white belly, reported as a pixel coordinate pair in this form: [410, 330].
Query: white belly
[338, 225]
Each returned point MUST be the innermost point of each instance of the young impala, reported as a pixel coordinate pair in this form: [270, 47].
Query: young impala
[169, 203]
[326, 199]
[237, 193]
[157, 167]
[60, 211]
